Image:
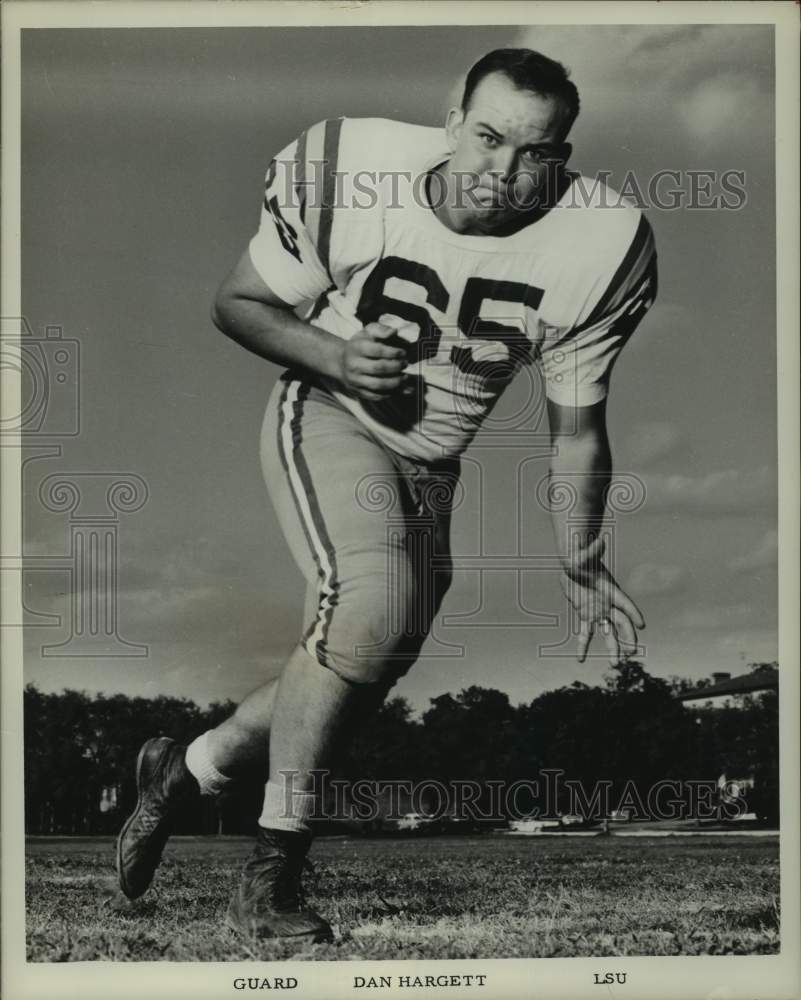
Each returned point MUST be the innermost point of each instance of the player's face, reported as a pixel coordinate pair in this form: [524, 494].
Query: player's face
[506, 150]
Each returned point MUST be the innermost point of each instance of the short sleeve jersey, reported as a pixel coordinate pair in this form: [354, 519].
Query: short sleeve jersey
[347, 236]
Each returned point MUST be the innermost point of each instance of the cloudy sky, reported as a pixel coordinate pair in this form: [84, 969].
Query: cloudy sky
[143, 158]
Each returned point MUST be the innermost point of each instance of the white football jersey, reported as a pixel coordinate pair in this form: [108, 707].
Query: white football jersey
[347, 237]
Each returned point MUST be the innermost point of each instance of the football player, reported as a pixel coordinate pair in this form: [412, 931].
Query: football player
[402, 275]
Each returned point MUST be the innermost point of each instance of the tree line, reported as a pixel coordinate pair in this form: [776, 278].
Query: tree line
[628, 734]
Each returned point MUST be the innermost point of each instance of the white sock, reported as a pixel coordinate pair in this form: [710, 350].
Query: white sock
[286, 808]
[198, 761]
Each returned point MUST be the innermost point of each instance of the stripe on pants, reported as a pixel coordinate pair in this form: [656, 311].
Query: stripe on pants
[290, 439]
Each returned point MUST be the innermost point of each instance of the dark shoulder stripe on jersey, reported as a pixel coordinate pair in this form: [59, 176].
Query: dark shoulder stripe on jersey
[621, 275]
[300, 176]
[333, 127]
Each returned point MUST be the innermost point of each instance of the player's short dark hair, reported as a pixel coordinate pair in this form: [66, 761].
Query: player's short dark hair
[527, 70]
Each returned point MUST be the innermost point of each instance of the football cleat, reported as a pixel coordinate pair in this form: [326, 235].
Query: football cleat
[165, 787]
[268, 902]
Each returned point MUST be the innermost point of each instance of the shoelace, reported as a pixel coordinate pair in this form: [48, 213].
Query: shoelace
[282, 873]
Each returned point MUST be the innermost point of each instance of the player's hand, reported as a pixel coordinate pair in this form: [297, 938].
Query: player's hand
[372, 363]
[602, 607]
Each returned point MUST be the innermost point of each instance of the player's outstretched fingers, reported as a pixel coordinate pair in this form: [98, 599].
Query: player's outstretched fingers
[625, 603]
[607, 629]
[584, 639]
[626, 635]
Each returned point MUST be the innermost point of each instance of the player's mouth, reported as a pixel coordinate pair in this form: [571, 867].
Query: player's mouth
[489, 198]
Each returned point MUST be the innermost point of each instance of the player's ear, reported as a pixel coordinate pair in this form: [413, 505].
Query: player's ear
[453, 127]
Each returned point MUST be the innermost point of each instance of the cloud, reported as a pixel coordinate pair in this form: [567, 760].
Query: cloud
[724, 491]
[724, 616]
[654, 578]
[707, 83]
[162, 602]
[650, 441]
[764, 555]
[682, 55]
[726, 103]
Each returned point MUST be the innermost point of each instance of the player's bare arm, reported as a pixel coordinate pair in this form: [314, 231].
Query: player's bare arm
[249, 312]
[583, 463]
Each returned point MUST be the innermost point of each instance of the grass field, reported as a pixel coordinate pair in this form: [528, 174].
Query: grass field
[470, 897]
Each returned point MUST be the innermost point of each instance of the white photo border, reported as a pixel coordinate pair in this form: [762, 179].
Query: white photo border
[745, 977]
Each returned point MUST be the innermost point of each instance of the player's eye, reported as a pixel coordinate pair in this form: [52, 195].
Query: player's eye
[489, 140]
[541, 154]
[534, 155]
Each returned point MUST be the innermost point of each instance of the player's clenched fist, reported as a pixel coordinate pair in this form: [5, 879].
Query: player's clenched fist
[371, 364]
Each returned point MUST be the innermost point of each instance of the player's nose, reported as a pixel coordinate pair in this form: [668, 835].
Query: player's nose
[503, 164]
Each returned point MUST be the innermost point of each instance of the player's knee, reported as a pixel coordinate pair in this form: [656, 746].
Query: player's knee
[367, 667]
[370, 653]
[372, 640]
[250, 720]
